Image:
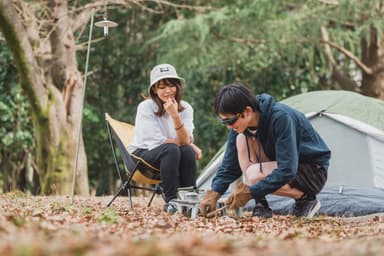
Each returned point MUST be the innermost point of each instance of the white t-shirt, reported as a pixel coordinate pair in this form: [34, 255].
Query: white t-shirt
[151, 131]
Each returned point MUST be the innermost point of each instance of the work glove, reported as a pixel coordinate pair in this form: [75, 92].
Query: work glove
[208, 204]
[239, 197]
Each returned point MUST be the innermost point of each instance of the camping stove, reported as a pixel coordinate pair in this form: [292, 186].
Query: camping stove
[188, 204]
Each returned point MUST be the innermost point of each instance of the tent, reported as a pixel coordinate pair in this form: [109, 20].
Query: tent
[352, 125]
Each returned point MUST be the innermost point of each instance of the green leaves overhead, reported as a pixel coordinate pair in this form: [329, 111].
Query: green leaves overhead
[255, 34]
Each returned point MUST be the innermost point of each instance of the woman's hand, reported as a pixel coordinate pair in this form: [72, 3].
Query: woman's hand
[171, 107]
[198, 152]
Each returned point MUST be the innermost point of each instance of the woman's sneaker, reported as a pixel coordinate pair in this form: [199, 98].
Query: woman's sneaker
[306, 207]
[170, 207]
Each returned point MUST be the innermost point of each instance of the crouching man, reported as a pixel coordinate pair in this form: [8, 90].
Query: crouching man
[276, 149]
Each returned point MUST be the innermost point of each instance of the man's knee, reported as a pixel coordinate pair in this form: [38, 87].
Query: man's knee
[253, 180]
[253, 177]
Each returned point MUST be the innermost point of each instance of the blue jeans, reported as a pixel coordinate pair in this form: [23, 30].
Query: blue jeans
[177, 166]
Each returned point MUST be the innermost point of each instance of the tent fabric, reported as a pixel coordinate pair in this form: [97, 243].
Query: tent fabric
[365, 109]
[356, 134]
[355, 124]
[350, 201]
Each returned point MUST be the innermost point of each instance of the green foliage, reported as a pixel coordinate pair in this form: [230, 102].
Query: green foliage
[14, 109]
[255, 35]
[16, 132]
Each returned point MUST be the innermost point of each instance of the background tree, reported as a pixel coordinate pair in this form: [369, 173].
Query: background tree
[43, 37]
[337, 43]
[40, 37]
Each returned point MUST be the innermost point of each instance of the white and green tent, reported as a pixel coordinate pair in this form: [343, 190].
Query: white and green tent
[352, 125]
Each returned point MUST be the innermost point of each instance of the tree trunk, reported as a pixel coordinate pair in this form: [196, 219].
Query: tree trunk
[373, 56]
[54, 86]
[371, 65]
[5, 165]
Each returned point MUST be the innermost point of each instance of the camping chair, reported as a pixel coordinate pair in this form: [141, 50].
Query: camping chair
[137, 169]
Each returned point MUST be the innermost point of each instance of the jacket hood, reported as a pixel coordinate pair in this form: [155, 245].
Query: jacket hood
[266, 103]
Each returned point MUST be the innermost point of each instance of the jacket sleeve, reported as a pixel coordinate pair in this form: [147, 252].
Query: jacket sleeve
[229, 170]
[286, 150]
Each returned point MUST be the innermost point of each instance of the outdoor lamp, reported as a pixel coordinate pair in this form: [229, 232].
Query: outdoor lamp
[105, 23]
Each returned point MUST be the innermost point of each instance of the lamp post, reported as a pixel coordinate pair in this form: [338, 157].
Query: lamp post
[105, 24]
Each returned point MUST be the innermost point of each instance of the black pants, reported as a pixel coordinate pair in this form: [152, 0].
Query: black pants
[177, 166]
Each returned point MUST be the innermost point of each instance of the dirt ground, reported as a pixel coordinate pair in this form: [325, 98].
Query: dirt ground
[52, 226]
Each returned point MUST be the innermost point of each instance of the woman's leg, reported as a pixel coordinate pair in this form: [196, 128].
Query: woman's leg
[166, 157]
[187, 167]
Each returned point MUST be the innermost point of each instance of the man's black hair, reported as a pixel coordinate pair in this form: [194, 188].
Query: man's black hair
[234, 98]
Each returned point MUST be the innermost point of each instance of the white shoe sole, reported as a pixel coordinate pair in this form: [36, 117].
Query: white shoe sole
[314, 210]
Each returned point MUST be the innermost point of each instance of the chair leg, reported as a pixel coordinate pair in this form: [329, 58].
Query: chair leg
[158, 190]
[150, 201]
[122, 187]
[130, 197]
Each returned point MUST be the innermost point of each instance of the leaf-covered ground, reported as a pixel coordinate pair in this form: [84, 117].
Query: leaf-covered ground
[52, 226]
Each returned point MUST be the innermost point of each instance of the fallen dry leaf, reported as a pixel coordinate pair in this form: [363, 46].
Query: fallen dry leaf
[52, 226]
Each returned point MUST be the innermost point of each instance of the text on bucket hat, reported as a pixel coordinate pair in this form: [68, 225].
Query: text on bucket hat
[162, 71]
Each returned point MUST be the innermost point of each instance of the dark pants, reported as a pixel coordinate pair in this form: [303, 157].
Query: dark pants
[310, 179]
[177, 166]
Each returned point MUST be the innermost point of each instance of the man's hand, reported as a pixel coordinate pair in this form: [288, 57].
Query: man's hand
[208, 204]
[239, 197]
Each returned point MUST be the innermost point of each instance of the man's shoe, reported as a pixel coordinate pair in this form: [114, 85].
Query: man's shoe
[170, 207]
[306, 207]
[262, 211]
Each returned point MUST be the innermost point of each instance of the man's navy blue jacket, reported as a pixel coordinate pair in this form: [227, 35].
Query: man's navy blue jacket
[287, 137]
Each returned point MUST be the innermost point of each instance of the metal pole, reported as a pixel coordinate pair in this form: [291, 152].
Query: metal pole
[74, 172]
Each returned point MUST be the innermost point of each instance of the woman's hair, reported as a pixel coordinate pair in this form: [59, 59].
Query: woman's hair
[169, 82]
[233, 99]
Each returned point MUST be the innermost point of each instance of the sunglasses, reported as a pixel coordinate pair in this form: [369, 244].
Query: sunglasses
[231, 120]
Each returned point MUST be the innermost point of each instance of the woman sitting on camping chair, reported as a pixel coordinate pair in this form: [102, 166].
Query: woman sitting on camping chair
[164, 133]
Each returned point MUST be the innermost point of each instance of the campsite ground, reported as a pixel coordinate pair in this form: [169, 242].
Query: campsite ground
[52, 226]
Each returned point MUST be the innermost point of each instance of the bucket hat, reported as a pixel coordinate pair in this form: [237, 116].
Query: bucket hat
[162, 71]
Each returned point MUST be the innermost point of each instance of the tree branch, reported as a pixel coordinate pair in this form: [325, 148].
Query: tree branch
[18, 42]
[81, 19]
[178, 6]
[345, 82]
[81, 16]
[330, 2]
[327, 49]
[337, 74]
[350, 55]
